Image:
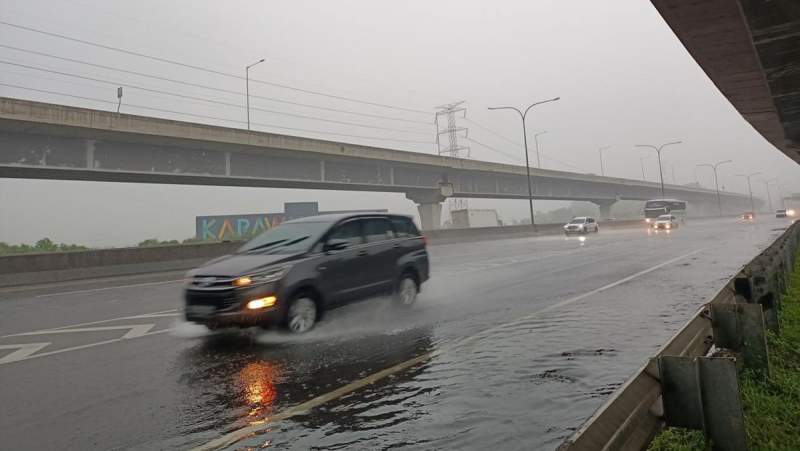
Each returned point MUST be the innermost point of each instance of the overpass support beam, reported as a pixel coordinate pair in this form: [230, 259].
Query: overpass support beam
[429, 204]
[605, 207]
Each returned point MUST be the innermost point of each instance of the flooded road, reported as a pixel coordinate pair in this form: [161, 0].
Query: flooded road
[521, 340]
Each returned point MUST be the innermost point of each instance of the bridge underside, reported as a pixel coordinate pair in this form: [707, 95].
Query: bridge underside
[751, 50]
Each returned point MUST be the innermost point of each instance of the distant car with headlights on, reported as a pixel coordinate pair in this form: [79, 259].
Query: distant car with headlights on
[748, 216]
[290, 275]
[666, 222]
[581, 225]
[780, 213]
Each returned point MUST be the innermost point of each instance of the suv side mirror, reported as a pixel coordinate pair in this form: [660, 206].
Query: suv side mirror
[336, 245]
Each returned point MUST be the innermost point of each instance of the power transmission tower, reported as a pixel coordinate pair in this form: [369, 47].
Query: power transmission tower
[452, 148]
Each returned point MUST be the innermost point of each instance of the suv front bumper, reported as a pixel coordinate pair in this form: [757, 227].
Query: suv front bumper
[225, 308]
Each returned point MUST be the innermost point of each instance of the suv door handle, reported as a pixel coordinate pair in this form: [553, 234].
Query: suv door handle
[362, 253]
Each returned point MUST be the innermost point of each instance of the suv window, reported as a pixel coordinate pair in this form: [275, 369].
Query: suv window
[377, 229]
[404, 227]
[349, 231]
[590, 220]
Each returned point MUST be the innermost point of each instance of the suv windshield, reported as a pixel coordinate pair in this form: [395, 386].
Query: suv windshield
[578, 221]
[287, 238]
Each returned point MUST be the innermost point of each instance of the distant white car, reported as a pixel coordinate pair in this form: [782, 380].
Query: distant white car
[666, 222]
[582, 225]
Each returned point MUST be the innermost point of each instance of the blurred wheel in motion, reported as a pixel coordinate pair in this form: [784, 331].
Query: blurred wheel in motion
[302, 315]
[407, 291]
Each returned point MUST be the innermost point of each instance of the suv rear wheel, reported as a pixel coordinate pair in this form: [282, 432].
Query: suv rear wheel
[407, 291]
[302, 314]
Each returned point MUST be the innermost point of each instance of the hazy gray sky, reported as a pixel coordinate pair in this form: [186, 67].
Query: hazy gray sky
[622, 75]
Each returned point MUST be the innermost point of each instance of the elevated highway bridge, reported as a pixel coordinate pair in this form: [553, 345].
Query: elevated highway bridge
[49, 141]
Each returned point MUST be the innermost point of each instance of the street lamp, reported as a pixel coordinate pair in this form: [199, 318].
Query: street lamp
[780, 192]
[522, 116]
[769, 195]
[716, 179]
[602, 169]
[658, 151]
[641, 162]
[536, 141]
[247, 87]
[750, 189]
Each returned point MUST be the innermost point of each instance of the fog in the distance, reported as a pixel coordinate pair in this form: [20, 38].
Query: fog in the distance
[623, 77]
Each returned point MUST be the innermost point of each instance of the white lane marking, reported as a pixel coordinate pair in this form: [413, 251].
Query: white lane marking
[134, 330]
[261, 426]
[162, 313]
[22, 351]
[76, 348]
[91, 290]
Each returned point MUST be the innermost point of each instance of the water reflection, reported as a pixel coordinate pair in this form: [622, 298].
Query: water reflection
[257, 384]
[235, 379]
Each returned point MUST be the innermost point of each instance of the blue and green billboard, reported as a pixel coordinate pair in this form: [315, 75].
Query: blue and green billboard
[235, 227]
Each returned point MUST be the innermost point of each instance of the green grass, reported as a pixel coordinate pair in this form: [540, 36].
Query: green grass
[771, 407]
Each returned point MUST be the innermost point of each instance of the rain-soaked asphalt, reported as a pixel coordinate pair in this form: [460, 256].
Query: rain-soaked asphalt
[526, 338]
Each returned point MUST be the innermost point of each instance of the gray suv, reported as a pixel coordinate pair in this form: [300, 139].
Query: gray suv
[290, 275]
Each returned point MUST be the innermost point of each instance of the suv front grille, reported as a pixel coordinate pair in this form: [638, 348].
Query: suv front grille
[210, 282]
[221, 299]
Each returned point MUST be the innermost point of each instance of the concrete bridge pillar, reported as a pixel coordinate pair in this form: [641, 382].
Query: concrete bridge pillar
[429, 204]
[605, 207]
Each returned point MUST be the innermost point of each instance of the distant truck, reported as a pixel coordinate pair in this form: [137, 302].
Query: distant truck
[462, 219]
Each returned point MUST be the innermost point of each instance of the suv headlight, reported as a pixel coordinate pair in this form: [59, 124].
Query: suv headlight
[270, 275]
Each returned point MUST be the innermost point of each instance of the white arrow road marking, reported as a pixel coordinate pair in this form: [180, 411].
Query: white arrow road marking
[22, 351]
[163, 313]
[31, 355]
[136, 330]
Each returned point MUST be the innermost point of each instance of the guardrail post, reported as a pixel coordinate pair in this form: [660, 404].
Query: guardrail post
[702, 393]
[754, 287]
[740, 328]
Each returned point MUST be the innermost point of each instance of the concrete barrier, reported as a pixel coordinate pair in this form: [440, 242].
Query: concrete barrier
[26, 269]
[445, 236]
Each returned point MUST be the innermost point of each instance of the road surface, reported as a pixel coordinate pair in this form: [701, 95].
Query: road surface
[513, 344]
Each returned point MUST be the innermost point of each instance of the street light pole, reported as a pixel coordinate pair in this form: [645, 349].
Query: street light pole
[769, 195]
[536, 141]
[780, 193]
[658, 151]
[750, 189]
[247, 88]
[522, 116]
[641, 162]
[716, 180]
[602, 168]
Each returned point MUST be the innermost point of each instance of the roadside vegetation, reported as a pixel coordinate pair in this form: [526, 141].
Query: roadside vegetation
[43, 245]
[150, 242]
[771, 407]
[46, 245]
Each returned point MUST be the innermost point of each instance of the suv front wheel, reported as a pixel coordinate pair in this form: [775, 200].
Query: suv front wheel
[302, 315]
[406, 291]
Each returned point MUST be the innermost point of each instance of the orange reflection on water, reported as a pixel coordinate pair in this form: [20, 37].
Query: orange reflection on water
[257, 380]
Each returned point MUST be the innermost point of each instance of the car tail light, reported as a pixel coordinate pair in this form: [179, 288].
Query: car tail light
[424, 240]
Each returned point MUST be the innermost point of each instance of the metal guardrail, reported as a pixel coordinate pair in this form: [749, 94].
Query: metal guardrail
[632, 417]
